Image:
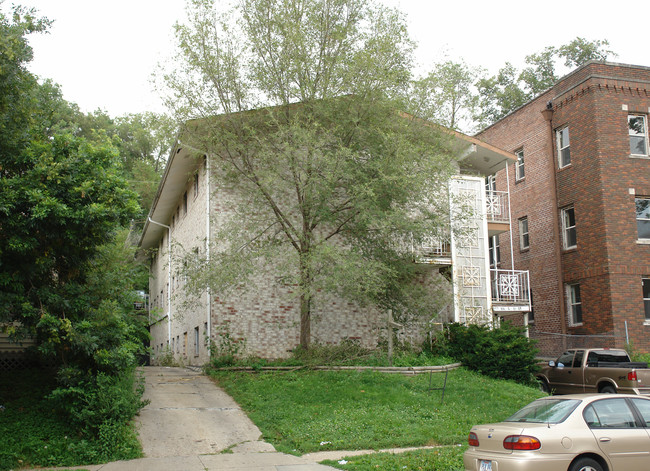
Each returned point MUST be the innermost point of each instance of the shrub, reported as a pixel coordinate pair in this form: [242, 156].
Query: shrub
[98, 403]
[503, 352]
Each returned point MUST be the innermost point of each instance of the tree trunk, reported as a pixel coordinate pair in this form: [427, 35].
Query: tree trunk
[305, 302]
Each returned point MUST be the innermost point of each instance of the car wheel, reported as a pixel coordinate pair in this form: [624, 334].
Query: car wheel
[608, 390]
[544, 387]
[585, 464]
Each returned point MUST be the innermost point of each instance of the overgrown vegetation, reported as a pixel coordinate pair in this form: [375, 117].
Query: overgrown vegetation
[67, 275]
[347, 353]
[503, 352]
[33, 434]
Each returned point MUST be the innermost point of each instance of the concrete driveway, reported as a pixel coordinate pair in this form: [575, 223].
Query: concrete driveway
[189, 415]
[192, 425]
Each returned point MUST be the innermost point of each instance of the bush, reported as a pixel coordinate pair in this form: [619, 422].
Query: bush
[100, 403]
[502, 353]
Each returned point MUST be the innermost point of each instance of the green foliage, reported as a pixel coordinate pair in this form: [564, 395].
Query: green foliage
[503, 352]
[300, 103]
[447, 95]
[303, 411]
[509, 88]
[32, 433]
[446, 458]
[226, 349]
[100, 404]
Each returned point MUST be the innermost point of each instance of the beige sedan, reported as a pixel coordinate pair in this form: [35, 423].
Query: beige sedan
[579, 432]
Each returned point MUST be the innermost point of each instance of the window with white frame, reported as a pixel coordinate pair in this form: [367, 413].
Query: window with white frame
[569, 239]
[490, 183]
[524, 237]
[563, 146]
[574, 302]
[646, 298]
[643, 217]
[519, 166]
[638, 131]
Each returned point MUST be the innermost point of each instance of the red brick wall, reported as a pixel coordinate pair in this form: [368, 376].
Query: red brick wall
[608, 262]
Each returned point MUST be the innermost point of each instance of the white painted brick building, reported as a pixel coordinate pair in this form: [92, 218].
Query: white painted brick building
[187, 213]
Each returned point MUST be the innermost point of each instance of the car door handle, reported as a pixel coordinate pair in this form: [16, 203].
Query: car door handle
[605, 439]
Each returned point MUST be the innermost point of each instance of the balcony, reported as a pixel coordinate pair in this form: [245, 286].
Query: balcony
[510, 291]
[434, 250]
[498, 212]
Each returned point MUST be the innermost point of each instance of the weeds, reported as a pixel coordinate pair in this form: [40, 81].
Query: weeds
[34, 433]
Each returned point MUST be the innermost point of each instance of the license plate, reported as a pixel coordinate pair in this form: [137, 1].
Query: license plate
[485, 465]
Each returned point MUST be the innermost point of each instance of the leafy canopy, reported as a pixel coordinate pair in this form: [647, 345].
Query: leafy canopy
[297, 105]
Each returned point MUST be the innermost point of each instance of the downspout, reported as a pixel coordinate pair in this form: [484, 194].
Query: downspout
[207, 244]
[169, 279]
[512, 253]
[548, 116]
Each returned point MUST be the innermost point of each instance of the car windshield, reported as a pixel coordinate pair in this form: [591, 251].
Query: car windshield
[546, 411]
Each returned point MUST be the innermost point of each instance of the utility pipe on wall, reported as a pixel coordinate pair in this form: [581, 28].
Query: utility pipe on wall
[169, 279]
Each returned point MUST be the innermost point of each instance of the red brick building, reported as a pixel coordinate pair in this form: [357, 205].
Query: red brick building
[580, 207]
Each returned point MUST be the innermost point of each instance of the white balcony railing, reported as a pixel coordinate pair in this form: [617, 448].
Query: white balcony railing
[510, 287]
[497, 206]
[433, 249]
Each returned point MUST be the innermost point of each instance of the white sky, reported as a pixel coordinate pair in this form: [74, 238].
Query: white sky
[103, 52]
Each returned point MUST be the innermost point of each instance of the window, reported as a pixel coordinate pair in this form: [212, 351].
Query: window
[646, 297]
[643, 217]
[575, 304]
[524, 238]
[569, 240]
[519, 166]
[563, 149]
[196, 341]
[638, 134]
[196, 184]
[643, 406]
[495, 252]
[610, 413]
[184, 203]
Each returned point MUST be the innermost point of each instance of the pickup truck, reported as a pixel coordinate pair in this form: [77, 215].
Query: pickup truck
[601, 370]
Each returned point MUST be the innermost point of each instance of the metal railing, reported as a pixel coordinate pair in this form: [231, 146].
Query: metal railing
[432, 248]
[497, 206]
[510, 287]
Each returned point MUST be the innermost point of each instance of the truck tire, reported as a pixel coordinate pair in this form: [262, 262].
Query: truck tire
[609, 389]
[585, 464]
[543, 386]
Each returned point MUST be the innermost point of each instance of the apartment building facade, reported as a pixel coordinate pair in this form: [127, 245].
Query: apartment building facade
[189, 209]
[580, 206]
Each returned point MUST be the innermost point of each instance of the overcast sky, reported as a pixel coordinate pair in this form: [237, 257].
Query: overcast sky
[103, 52]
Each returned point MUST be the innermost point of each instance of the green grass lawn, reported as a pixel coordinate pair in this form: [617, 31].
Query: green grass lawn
[32, 434]
[306, 411]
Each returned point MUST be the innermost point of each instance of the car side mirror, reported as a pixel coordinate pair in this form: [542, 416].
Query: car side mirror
[551, 364]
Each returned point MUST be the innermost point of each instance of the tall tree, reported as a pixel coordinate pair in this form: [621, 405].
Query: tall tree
[510, 89]
[328, 175]
[447, 95]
